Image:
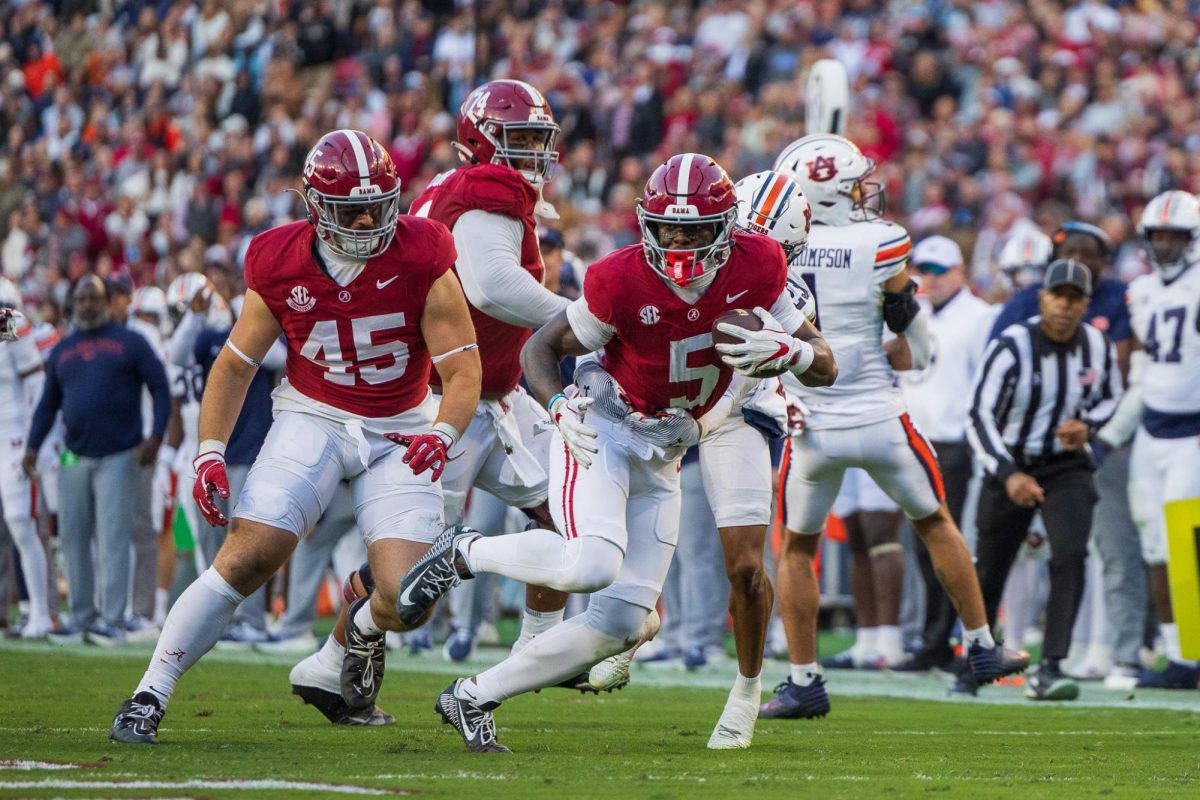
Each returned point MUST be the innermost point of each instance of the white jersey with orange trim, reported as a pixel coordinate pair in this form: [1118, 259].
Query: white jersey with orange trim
[846, 267]
[17, 359]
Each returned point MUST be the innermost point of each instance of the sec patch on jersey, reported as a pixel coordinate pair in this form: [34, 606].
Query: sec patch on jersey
[747, 320]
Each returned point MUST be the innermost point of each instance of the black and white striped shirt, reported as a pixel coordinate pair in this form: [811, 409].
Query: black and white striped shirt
[1029, 385]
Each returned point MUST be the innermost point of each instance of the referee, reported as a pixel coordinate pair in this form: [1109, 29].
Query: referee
[1046, 385]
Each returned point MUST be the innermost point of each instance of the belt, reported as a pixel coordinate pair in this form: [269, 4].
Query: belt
[1026, 463]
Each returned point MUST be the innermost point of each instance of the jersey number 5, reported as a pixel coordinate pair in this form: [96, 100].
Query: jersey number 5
[707, 374]
[324, 347]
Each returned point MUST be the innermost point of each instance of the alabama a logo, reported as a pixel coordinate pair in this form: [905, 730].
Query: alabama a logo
[300, 300]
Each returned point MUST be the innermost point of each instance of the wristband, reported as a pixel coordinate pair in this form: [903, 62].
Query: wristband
[212, 446]
[804, 357]
[448, 430]
[554, 399]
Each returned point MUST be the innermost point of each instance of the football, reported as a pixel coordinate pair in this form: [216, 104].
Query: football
[742, 319]
[739, 317]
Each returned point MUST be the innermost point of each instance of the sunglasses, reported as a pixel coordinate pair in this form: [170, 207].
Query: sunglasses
[928, 268]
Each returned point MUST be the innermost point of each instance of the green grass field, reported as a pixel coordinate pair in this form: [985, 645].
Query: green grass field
[232, 719]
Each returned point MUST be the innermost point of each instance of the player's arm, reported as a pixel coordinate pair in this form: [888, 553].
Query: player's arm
[903, 316]
[252, 335]
[492, 277]
[574, 332]
[804, 352]
[1128, 415]
[450, 336]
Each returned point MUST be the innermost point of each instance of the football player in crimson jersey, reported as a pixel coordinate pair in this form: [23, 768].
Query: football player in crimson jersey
[614, 494]
[367, 304]
[506, 138]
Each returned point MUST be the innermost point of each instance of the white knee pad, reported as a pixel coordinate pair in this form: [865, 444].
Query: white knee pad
[616, 618]
[589, 564]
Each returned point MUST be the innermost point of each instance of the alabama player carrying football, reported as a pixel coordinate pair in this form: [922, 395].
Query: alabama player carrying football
[1164, 490]
[367, 304]
[614, 494]
[855, 265]
[735, 458]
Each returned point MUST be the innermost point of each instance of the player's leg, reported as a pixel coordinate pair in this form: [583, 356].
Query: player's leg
[588, 507]
[735, 465]
[1174, 581]
[879, 526]
[514, 468]
[18, 499]
[955, 461]
[810, 477]
[287, 490]
[617, 616]
[902, 462]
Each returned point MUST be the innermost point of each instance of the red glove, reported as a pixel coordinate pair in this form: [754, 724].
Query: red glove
[425, 450]
[210, 477]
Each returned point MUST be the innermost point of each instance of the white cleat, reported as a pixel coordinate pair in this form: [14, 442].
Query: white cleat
[613, 672]
[735, 728]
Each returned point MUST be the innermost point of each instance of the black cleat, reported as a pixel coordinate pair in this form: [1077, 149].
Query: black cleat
[334, 708]
[137, 720]
[989, 664]
[793, 701]
[362, 666]
[1048, 683]
[437, 572]
[473, 722]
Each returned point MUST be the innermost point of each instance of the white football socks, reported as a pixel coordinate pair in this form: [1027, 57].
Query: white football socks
[864, 644]
[804, 674]
[194, 625]
[982, 635]
[534, 623]
[544, 558]
[1170, 633]
[33, 564]
[747, 688]
[889, 643]
[331, 654]
[161, 600]
[365, 622]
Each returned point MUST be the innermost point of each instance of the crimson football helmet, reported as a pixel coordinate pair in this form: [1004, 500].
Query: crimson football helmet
[496, 110]
[689, 191]
[347, 176]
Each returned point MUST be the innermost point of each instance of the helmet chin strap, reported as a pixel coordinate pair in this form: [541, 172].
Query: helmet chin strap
[543, 207]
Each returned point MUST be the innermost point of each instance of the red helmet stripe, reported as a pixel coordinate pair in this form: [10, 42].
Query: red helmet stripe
[685, 174]
[360, 156]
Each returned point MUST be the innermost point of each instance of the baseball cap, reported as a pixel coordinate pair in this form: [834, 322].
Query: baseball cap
[1074, 226]
[1066, 272]
[936, 255]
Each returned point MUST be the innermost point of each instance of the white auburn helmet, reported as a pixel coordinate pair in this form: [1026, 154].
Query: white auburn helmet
[1178, 212]
[149, 300]
[182, 290]
[774, 205]
[10, 295]
[829, 168]
[1024, 257]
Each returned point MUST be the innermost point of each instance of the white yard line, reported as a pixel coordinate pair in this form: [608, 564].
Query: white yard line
[291, 786]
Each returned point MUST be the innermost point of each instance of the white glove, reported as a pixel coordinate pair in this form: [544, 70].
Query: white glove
[164, 467]
[764, 352]
[10, 321]
[671, 427]
[580, 437]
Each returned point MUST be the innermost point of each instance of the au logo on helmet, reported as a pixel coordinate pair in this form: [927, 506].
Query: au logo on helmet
[300, 300]
[821, 169]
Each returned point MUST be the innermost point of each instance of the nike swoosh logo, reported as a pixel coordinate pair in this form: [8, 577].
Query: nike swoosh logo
[405, 598]
[383, 284]
[729, 298]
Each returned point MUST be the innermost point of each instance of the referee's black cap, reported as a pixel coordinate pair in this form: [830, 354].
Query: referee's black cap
[1068, 272]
